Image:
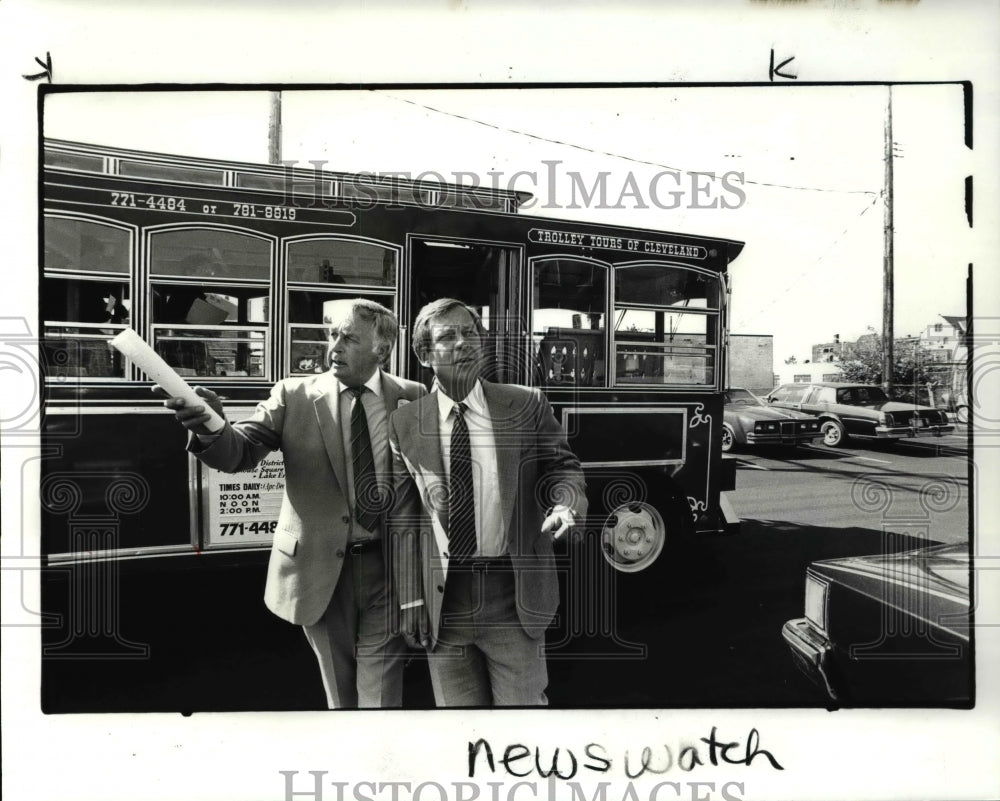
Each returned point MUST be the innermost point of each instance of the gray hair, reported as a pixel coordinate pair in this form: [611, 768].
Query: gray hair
[385, 325]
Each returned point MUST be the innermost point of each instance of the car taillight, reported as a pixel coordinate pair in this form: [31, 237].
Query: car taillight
[816, 592]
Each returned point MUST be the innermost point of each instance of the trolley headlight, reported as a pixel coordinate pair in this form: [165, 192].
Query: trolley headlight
[816, 595]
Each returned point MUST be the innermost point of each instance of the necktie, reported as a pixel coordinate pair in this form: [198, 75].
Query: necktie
[461, 502]
[367, 499]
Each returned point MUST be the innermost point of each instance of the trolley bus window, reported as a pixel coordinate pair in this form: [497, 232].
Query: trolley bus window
[308, 313]
[666, 325]
[73, 161]
[216, 322]
[207, 253]
[341, 262]
[85, 246]
[321, 276]
[666, 285]
[569, 299]
[86, 297]
[170, 172]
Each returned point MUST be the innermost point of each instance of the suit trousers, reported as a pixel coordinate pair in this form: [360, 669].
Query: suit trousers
[483, 655]
[360, 658]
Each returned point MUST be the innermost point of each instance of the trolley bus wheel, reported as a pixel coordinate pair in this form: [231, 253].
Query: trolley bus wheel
[728, 438]
[633, 537]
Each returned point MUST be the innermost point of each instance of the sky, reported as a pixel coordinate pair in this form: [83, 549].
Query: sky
[804, 174]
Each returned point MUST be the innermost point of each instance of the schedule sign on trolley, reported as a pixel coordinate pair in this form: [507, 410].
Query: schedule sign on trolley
[241, 509]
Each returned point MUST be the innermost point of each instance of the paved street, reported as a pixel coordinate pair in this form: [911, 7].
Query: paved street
[916, 486]
[709, 615]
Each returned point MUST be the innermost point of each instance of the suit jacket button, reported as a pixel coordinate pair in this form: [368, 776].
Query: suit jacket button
[440, 588]
[345, 519]
[340, 553]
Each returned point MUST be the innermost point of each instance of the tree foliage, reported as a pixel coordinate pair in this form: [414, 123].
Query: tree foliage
[864, 363]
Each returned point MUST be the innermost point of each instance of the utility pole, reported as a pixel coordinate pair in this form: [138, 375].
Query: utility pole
[888, 341]
[274, 130]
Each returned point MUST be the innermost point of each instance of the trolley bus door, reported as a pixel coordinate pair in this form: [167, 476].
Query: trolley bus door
[482, 275]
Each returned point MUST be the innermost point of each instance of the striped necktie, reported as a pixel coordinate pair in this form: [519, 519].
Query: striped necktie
[367, 498]
[461, 501]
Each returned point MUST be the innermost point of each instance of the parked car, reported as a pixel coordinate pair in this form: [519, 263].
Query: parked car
[960, 406]
[888, 628]
[747, 420]
[859, 410]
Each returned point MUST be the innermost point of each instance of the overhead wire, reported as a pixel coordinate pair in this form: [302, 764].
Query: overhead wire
[610, 154]
[809, 269]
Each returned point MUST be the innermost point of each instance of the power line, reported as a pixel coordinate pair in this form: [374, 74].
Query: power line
[808, 270]
[632, 159]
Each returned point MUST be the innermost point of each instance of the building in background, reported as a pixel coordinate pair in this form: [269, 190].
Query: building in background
[940, 349]
[751, 362]
[806, 372]
[940, 342]
[832, 351]
[944, 348]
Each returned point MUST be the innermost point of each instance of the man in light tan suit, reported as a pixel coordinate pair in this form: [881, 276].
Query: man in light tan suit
[484, 482]
[328, 570]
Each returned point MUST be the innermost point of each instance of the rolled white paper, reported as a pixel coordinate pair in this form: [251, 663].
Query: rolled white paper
[133, 346]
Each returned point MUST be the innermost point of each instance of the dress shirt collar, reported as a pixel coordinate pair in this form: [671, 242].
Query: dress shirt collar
[475, 401]
[374, 384]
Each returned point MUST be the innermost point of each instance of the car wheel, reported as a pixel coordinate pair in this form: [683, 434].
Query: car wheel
[728, 438]
[833, 433]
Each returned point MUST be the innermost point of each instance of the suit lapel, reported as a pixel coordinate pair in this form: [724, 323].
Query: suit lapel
[391, 392]
[427, 438]
[508, 449]
[425, 445]
[327, 406]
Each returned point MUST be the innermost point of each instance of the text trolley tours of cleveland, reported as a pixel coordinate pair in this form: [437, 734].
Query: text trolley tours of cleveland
[228, 269]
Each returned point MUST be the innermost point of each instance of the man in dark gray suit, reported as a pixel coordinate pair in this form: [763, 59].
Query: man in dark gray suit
[328, 569]
[484, 480]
